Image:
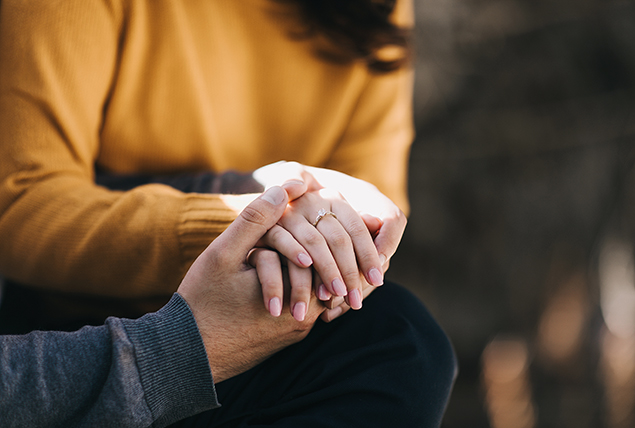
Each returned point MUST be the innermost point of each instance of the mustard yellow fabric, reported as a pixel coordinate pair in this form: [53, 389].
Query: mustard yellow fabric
[165, 86]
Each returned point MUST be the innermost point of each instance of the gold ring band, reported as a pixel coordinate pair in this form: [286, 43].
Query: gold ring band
[321, 214]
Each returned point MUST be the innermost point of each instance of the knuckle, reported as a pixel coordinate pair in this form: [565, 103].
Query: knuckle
[351, 275]
[270, 287]
[275, 234]
[367, 257]
[253, 215]
[302, 288]
[313, 237]
[357, 229]
[339, 238]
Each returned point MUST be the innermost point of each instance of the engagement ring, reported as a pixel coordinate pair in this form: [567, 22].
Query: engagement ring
[321, 214]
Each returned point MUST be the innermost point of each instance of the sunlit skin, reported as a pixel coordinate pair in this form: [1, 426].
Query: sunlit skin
[351, 248]
[222, 292]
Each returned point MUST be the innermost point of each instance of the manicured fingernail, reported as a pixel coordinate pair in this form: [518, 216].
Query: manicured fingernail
[299, 311]
[339, 287]
[305, 260]
[275, 306]
[375, 277]
[275, 195]
[355, 299]
[322, 293]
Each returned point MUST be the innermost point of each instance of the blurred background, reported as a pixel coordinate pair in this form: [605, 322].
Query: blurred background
[520, 239]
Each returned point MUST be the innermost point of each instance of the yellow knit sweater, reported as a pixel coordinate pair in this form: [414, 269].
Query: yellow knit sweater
[166, 86]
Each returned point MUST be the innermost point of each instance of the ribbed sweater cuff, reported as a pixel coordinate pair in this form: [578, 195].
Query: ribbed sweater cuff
[173, 366]
[202, 220]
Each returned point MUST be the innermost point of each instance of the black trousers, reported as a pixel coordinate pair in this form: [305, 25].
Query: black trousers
[387, 365]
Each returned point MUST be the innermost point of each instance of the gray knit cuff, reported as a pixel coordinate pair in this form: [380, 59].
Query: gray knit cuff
[173, 366]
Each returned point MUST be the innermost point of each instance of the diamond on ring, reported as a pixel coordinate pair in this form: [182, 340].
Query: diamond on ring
[321, 214]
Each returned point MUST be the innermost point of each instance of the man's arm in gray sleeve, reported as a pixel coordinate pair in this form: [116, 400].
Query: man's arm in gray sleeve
[151, 371]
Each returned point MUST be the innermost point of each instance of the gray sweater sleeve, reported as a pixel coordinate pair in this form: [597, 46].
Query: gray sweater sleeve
[127, 373]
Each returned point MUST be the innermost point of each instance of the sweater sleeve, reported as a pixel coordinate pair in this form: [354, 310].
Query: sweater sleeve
[128, 373]
[58, 229]
[376, 143]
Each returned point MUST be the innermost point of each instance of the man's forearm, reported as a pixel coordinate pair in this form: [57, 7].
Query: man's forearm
[127, 373]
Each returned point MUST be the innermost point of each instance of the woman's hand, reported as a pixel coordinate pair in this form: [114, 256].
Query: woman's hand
[372, 205]
[338, 245]
[337, 306]
[282, 283]
[364, 197]
[384, 224]
[273, 275]
[276, 275]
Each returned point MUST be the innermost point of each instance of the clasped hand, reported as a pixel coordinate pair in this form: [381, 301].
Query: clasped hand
[324, 244]
[224, 295]
[342, 256]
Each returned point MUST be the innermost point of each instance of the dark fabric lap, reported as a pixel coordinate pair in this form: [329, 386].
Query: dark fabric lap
[387, 365]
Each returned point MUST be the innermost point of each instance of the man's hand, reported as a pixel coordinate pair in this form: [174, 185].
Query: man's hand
[225, 296]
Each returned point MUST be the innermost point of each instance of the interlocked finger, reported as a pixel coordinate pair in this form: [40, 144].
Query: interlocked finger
[269, 269]
[336, 307]
[321, 291]
[282, 241]
[301, 280]
[341, 246]
[364, 247]
[314, 242]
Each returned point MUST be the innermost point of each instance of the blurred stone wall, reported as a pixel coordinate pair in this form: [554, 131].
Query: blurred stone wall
[525, 128]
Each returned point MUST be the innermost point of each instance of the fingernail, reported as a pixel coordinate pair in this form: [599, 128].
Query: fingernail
[375, 277]
[323, 293]
[299, 311]
[355, 299]
[275, 195]
[275, 307]
[288, 182]
[305, 260]
[339, 287]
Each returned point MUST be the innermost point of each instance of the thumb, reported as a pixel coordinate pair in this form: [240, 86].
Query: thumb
[253, 222]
